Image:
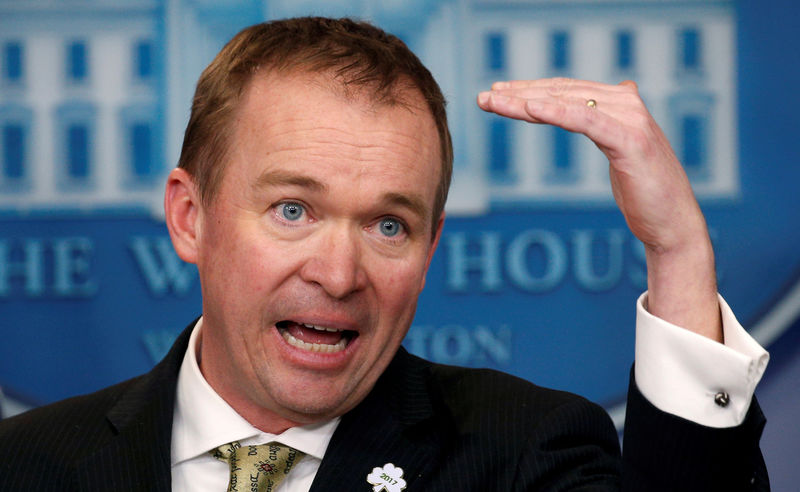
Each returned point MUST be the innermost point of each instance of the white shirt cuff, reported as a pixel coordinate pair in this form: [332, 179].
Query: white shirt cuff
[681, 372]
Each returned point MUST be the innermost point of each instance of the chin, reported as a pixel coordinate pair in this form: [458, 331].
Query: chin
[309, 409]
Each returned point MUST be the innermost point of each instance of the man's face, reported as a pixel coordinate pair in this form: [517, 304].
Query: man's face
[315, 248]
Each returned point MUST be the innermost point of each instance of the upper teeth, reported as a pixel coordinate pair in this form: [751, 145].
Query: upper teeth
[320, 328]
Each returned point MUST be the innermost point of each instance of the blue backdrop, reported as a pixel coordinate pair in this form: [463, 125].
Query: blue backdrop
[536, 273]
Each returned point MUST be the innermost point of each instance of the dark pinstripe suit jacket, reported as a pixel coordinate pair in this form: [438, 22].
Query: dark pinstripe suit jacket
[450, 429]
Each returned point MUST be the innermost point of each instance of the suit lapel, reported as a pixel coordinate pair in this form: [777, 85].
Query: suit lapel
[395, 424]
[136, 456]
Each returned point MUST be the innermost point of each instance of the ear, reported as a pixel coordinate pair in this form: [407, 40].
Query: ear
[434, 243]
[182, 213]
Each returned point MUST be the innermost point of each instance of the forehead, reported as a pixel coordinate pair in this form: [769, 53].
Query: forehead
[293, 96]
[310, 124]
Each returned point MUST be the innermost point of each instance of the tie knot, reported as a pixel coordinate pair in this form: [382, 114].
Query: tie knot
[257, 468]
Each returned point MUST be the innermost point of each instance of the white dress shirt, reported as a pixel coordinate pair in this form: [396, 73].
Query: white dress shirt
[678, 371]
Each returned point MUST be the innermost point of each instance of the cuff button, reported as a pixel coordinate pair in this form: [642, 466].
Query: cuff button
[722, 399]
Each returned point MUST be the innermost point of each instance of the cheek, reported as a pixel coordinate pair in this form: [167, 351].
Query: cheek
[257, 268]
[399, 286]
[238, 262]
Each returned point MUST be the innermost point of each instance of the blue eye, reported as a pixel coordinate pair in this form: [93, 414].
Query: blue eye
[390, 227]
[292, 211]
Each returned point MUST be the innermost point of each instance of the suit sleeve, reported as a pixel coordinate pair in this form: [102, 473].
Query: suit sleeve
[575, 448]
[663, 452]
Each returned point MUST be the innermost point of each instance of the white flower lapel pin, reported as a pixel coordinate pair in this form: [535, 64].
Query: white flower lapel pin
[388, 478]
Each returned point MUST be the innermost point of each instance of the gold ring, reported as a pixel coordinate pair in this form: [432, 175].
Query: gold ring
[591, 103]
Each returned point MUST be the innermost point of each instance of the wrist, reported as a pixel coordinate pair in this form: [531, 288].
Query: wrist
[682, 287]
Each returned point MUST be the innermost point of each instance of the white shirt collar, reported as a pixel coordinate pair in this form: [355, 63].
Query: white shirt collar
[202, 420]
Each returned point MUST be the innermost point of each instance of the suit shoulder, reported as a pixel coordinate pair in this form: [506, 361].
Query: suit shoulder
[480, 394]
[56, 438]
[483, 385]
[72, 420]
[541, 437]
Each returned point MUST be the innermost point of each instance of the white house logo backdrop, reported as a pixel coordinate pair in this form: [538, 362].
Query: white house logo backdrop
[536, 273]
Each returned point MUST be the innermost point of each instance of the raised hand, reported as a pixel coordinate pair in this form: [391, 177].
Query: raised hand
[647, 180]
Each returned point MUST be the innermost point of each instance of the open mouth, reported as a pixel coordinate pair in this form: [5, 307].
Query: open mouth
[314, 338]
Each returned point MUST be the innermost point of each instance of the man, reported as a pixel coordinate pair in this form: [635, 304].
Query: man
[310, 194]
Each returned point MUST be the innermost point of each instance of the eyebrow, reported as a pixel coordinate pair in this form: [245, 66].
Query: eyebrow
[278, 178]
[412, 202]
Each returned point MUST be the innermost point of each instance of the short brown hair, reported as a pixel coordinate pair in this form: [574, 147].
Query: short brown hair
[359, 54]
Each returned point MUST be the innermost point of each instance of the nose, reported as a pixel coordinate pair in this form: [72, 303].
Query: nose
[335, 261]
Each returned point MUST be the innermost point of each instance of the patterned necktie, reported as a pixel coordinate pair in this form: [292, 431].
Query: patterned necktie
[257, 468]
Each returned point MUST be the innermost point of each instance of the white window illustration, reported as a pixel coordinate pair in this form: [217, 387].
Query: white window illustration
[563, 165]
[13, 63]
[115, 139]
[75, 122]
[691, 133]
[77, 62]
[495, 53]
[141, 147]
[497, 129]
[142, 61]
[624, 51]
[560, 52]
[690, 51]
[15, 130]
[499, 153]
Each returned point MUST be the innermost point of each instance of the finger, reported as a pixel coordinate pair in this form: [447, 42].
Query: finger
[503, 105]
[618, 129]
[560, 82]
[570, 114]
[613, 102]
[574, 115]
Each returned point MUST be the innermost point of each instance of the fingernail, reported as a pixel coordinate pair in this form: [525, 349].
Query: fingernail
[500, 85]
[483, 97]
